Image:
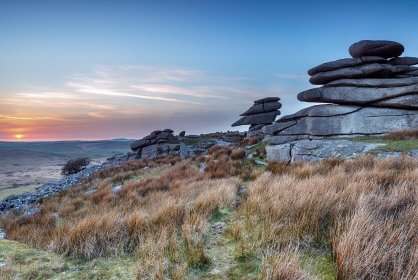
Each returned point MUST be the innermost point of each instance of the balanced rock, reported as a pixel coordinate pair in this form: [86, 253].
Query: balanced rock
[386, 49]
[263, 112]
[370, 94]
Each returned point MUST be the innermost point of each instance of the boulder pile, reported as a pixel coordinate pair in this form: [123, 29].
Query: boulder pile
[372, 93]
[262, 113]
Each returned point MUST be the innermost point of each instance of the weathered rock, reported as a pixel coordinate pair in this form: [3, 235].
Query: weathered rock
[160, 150]
[138, 144]
[376, 83]
[370, 96]
[262, 108]
[381, 48]
[345, 62]
[182, 134]
[279, 153]
[255, 127]
[406, 60]
[168, 130]
[374, 70]
[263, 118]
[316, 150]
[339, 120]
[267, 100]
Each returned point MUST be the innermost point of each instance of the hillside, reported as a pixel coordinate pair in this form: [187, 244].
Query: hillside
[222, 216]
[26, 165]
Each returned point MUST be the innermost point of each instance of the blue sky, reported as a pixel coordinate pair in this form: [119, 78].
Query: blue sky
[105, 69]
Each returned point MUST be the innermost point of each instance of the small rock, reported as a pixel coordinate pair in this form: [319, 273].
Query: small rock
[116, 188]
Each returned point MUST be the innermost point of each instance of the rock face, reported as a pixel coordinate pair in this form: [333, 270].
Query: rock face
[316, 150]
[263, 112]
[370, 95]
[381, 48]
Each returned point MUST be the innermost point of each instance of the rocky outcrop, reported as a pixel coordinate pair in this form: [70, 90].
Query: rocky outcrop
[263, 112]
[157, 144]
[370, 95]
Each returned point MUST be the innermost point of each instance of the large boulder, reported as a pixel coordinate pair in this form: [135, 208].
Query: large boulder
[375, 83]
[375, 70]
[370, 96]
[338, 120]
[316, 150]
[258, 108]
[263, 118]
[267, 99]
[345, 62]
[381, 48]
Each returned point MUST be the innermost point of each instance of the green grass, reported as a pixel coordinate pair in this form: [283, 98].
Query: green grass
[405, 145]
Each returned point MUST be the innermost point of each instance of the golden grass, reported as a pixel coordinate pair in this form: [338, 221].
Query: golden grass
[362, 212]
[161, 218]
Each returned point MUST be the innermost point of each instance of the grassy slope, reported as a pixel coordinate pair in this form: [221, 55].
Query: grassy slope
[404, 145]
[229, 256]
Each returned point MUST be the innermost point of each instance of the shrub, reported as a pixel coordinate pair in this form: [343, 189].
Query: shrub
[75, 165]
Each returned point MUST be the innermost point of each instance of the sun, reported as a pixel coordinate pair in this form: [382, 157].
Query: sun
[19, 136]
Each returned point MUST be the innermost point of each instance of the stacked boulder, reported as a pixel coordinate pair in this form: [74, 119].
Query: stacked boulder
[158, 143]
[372, 93]
[262, 113]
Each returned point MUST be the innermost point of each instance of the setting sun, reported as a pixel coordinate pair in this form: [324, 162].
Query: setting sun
[19, 136]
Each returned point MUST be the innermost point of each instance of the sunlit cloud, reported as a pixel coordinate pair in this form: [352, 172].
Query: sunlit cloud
[131, 100]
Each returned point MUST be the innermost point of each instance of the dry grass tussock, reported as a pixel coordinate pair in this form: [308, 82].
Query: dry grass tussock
[402, 134]
[365, 212]
[161, 215]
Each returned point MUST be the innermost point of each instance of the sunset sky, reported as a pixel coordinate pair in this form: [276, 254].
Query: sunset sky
[113, 69]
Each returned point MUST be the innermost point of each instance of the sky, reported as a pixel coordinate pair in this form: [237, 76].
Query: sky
[121, 69]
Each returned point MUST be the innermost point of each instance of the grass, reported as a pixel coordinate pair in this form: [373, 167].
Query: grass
[401, 145]
[333, 219]
[24, 262]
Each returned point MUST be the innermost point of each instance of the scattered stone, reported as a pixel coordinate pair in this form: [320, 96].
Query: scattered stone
[116, 188]
[260, 162]
[386, 49]
[218, 228]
